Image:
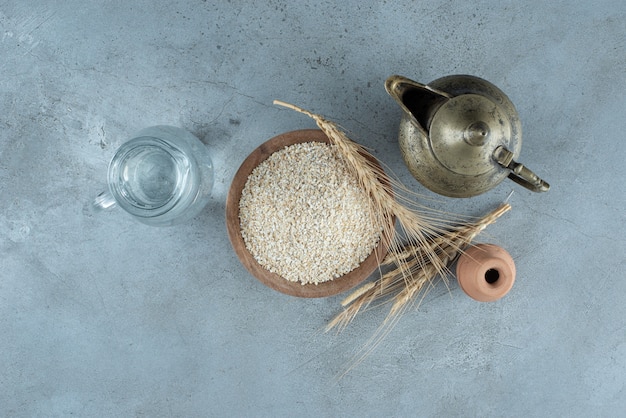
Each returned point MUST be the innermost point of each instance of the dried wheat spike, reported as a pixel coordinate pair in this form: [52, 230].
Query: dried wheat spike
[424, 250]
[417, 222]
[400, 289]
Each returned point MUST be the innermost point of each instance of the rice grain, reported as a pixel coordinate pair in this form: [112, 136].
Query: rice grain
[304, 216]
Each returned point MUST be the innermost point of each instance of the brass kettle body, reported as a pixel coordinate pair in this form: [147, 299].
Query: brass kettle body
[460, 135]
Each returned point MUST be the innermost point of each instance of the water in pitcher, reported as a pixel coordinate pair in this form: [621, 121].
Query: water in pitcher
[163, 176]
[150, 177]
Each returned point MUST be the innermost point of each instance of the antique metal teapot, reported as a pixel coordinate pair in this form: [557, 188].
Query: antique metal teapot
[460, 135]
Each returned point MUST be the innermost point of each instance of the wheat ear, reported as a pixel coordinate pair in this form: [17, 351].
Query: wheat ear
[402, 291]
[417, 228]
[395, 286]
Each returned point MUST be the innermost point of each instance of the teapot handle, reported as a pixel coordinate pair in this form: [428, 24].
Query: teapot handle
[519, 173]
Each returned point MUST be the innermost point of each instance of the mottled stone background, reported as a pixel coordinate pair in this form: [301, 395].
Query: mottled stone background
[102, 316]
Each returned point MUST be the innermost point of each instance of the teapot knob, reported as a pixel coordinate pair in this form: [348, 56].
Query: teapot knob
[519, 173]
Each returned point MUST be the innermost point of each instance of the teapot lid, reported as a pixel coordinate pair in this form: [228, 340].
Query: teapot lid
[466, 130]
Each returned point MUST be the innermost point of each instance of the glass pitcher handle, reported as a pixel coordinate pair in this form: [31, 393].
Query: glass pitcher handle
[519, 173]
[104, 201]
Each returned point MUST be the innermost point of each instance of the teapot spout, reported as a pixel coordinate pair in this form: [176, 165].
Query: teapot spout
[417, 100]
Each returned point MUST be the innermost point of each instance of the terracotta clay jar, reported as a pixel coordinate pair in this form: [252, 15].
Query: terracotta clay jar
[485, 272]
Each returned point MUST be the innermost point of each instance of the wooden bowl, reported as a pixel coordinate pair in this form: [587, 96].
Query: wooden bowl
[273, 280]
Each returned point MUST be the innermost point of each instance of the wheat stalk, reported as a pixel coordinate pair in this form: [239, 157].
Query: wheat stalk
[424, 250]
[401, 291]
[395, 284]
[418, 226]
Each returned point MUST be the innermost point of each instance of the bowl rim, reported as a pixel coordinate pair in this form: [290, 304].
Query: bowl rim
[273, 280]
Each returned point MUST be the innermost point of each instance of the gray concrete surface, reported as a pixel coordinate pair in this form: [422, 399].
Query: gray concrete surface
[102, 316]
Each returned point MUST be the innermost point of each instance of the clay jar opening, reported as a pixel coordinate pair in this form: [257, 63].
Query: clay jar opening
[492, 276]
